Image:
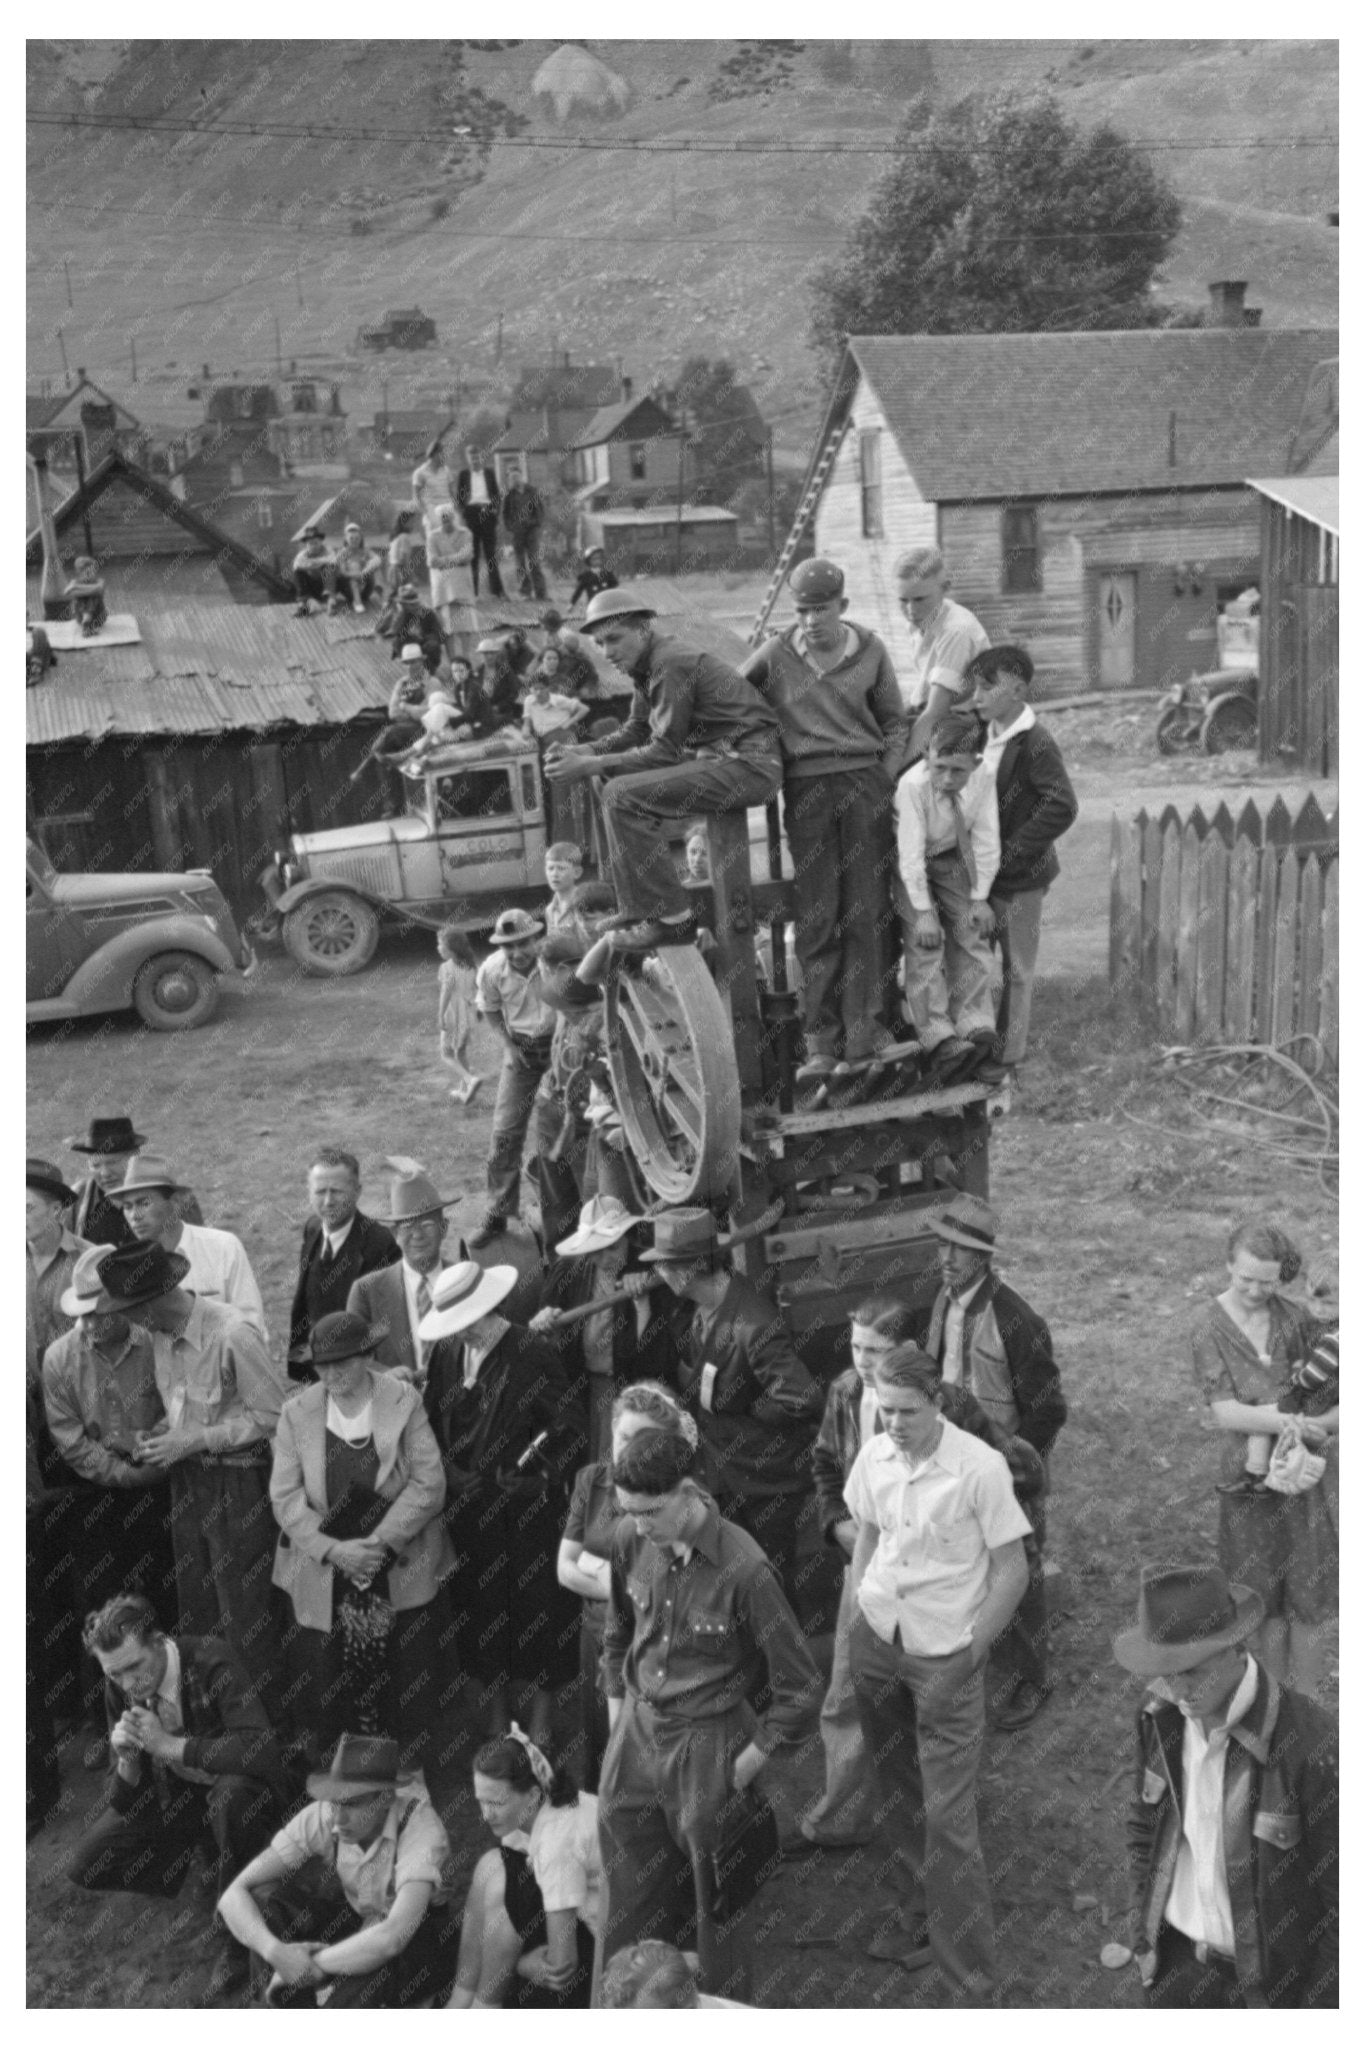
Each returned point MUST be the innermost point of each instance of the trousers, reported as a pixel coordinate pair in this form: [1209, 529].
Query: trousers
[924, 1723]
[844, 1809]
[482, 521]
[298, 1909]
[635, 808]
[1182, 1983]
[224, 1533]
[1019, 923]
[524, 1061]
[526, 552]
[948, 991]
[840, 832]
[147, 1848]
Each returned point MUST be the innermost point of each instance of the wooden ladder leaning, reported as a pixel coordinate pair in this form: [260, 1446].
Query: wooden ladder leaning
[804, 512]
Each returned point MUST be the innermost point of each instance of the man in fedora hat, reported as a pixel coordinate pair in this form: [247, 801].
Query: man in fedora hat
[340, 1245]
[53, 1249]
[350, 1894]
[393, 1298]
[1232, 1830]
[415, 621]
[738, 1372]
[218, 1267]
[508, 994]
[222, 1394]
[111, 1144]
[986, 1339]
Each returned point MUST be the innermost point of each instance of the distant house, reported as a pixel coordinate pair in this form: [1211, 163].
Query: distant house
[565, 386]
[87, 414]
[538, 444]
[630, 454]
[1300, 660]
[1087, 490]
[311, 436]
[663, 541]
[407, 435]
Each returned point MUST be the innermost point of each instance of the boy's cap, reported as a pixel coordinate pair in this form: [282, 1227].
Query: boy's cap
[816, 581]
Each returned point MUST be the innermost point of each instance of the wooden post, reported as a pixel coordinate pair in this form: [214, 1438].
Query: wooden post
[772, 519]
[1125, 912]
[1211, 956]
[1187, 938]
[1310, 946]
[1239, 981]
[163, 811]
[1282, 1024]
[1167, 930]
[1331, 965]
[1267, 899]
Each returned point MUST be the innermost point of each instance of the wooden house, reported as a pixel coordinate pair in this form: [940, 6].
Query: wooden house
[1088, 491]
[550, 407]
[1300, 663]
[89, 415]
[630, 453]
[663, 540]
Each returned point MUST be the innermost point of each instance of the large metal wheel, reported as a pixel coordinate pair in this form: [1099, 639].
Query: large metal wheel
[672, 1061]
[332, 933]
[1230, 723]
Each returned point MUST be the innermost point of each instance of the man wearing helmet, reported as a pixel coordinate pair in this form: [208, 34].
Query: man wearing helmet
[699, 738]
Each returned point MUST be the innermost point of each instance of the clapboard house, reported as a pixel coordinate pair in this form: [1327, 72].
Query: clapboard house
[1300, 660]
[1088, 491]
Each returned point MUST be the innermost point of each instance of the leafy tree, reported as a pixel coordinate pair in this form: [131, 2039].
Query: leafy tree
[726, 429]
[999, 215]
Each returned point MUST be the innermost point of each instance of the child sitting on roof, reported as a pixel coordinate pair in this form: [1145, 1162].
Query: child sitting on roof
[85, 594]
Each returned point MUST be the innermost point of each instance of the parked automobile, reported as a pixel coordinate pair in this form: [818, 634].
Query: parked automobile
[1215, 712]
[153, 943]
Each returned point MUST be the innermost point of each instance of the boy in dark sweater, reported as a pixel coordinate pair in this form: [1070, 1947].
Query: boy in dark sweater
[845, 739]
[1036, 804]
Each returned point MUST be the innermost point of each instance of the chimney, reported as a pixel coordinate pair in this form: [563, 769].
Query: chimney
[626, 388]
[1226, 309]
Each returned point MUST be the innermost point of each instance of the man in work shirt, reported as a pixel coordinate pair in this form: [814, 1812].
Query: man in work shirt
[219, 1269]
[507, 992]
[944, 636]
[699, 738]
[695, 1619]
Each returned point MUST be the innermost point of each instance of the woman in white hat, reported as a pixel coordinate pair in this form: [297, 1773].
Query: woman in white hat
[510, 1430]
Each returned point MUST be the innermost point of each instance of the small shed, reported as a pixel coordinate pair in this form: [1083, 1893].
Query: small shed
[663, 540]
[1300, 612]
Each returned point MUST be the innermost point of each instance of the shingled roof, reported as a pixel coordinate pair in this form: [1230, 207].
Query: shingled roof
[607, 424]
[993, 416]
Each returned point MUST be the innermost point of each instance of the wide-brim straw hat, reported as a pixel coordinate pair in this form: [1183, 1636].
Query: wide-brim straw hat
[1186, 1613]
[603, 1221]
[461, 1294]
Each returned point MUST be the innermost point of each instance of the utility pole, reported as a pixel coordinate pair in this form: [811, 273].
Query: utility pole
[66, 266]
[682, 446]
[772, 529]
[498, 357]
[133, 345]
[66, 367]
[298, 282]
[279, 359]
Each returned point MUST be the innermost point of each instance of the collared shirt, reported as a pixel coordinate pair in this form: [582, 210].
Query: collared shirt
[46, 1286]
[999, 737]
[218, 1380]
[940, 651]
[937, 1524]
[552, 716]
[333, 1240]
[221, 1271]
[97, 1402]
[499, 988]
[691, 1636]
[478, 488]
[954, 1317]
[565, 1858]
[869, 1415]
[926, 824]
[166, 1705]
[848, 647]
[372, 1877]
[1200, 1902]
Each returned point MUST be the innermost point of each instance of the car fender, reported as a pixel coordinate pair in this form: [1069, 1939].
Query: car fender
[320, 885]
[105, 980]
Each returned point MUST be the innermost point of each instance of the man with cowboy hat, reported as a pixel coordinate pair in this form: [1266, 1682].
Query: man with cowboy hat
[53, 1250]
[1232, 1830]
[349, 1895]
[629, 1341]
[394, 1298]
[986, 1339]
[111, 1144]
[699, 738]
[738, 1372]
[508, 994]
[222, 1393]
[219, 1269]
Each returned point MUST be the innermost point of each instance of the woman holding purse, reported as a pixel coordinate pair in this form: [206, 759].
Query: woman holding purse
[357, 1489]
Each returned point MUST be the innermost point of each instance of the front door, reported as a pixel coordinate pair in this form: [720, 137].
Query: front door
[1117, 615]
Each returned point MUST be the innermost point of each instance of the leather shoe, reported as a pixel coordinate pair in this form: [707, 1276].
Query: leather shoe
[1025, 1704]
[907, 1946]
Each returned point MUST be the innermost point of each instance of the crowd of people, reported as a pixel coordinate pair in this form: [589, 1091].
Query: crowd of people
[312, 1564]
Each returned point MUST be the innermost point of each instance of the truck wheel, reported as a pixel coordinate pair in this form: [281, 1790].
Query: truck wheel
[1173, 734]
[332, 933]
[175, 992]
[1231, 722]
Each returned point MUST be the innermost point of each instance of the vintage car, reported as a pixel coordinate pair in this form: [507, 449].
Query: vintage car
[153, 943]
[471, 842]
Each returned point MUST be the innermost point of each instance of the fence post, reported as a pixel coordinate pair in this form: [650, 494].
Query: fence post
[1211, 955]
[1240, 975]
[1331, 964]
[1310, 946]
[1152, 851]
[1191, 849]
[1282, 1006]
[1167, 929]
[1125, 912]
[1267, 901]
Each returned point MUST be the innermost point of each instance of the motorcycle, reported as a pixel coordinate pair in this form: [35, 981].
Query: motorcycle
[1212, 713]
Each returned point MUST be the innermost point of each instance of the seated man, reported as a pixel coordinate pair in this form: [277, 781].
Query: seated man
[415, 621]
[315, 573]
[347, 1895]
[357, 568]
[192, 1753]
[699, 738]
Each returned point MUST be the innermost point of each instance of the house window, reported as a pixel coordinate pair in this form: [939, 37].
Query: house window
[1021, 566]
[870, 461]
[265, 515]
[637, 462]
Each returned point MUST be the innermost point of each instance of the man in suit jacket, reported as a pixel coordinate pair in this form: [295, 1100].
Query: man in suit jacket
[394, 1299]
[191, 1752]
[478, 497]
[340, 1245]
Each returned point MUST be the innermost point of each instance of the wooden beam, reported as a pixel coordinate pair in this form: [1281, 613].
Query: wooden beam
[902, 1109]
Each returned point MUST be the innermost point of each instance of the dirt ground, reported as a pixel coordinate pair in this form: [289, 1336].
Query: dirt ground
[1113, 1229]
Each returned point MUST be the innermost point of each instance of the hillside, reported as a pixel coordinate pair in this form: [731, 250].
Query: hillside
[194, 245]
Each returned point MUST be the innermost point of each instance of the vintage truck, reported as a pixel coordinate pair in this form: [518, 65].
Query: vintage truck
[470, 842]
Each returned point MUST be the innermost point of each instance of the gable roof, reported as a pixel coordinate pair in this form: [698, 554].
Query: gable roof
[582, 386]
[1314, 498]
[63, 400]
[525, 432]
[115, 465]
[993, 416]
[610, 423]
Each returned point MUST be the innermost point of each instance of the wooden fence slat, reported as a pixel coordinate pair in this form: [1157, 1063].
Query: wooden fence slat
[1187, 940]
[1282, 1024]
[1310, 827]
[1279, 826]
[1331, 965]
[1212, 939]
[1249, 823]
[1267, 899]
[1151, 910]
[1125, 916]
[1309, 1005]
[1239, 981]
[1167, 930]
[1222, 824]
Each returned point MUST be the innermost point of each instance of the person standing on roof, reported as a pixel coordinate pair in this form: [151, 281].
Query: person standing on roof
[944, 636]
[699, 738]
[478, 497]
[432, 486]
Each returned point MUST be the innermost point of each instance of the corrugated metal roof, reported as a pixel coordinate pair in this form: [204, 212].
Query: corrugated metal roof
[213, 668]
[1316, 498]
[661, 515]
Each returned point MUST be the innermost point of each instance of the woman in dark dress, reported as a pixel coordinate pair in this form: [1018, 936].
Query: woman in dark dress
[510, 1430]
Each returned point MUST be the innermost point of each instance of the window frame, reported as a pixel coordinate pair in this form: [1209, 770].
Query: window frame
[1017, 580]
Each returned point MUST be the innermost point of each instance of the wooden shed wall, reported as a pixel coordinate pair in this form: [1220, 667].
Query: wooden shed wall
[908, 520]
[1300, 651]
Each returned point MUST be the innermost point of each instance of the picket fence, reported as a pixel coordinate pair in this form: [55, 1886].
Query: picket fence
[1226, 932]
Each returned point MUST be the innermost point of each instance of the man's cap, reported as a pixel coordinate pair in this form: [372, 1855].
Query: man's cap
[47, 1178]
[338, 1337]
[360, 1763]
[1186, 1614]
[462, 1294]
[141, 1272]
[617, 604]
[816, 581]
[514, 927]
[313, 533]
[967, 1220]
[110, 1135]
[86, 1295]
[411, 652]
[551, 620]
[146, 1170]
[407, 593]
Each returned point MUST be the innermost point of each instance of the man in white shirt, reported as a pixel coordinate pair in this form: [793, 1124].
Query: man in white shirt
[508, 994]
[948, 847]
[944, 636]
[219, 1269]
[938, 1569]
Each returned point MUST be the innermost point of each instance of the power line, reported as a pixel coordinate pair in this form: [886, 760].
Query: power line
[287, 131]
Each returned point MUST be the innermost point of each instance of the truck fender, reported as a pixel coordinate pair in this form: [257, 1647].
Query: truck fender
[106, 978]
[318, 885]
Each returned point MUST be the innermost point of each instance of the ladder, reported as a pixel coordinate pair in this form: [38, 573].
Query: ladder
[804, 513]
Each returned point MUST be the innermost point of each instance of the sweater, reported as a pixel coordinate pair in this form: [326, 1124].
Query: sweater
[849, 716]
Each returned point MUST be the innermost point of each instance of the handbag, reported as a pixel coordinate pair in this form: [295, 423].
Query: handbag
[1293, 1467]
[742, 1858]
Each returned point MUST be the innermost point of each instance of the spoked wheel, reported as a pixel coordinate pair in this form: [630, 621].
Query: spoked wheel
[672, 1061]
[1230, 723]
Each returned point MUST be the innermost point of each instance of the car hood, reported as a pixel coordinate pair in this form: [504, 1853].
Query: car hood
[348, 838]
[146, 893]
